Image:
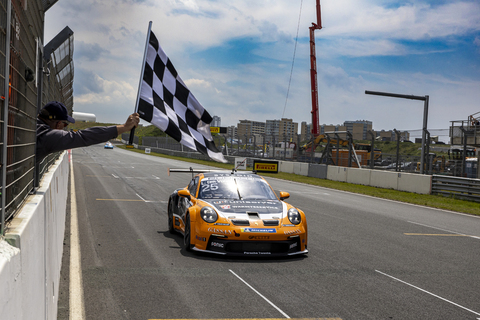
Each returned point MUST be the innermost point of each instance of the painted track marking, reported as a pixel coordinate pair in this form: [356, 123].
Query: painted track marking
[264, 298]
[432, 294]
[77, 308]
[425, 225]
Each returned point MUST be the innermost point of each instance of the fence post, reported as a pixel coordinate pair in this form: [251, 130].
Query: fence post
[5, 113]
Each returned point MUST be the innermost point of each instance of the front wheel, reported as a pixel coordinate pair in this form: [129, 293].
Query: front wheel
[187, 234]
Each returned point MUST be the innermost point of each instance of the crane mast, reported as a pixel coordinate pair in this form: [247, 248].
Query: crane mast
[313, 73]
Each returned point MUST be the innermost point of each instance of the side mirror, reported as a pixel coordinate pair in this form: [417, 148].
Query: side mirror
[185, 193]
[284, 195]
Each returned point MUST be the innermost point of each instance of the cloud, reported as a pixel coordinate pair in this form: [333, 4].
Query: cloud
[87, 82]
[477, 43]
[104, 95]
[89, 51]
[237, 55]
[191, 83]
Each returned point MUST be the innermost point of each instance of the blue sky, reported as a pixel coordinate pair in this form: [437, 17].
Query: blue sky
[236, 57]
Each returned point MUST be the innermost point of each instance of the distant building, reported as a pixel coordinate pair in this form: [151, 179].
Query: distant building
[390, 135]
[232, 131]
[288, 130]
[216, 122]
[272, 128]
[334, 128]
[249, 128]
[358, 128]
[305, 131]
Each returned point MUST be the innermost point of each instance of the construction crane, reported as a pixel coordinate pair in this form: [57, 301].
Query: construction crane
[313, 73]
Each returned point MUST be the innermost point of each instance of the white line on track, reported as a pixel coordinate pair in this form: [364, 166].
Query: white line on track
[434, 295]
[116, 177]
[426, 225]
[140, 197]
[283, 313]
[77, 309]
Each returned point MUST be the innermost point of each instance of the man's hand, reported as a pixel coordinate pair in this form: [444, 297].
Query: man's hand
[132, 121]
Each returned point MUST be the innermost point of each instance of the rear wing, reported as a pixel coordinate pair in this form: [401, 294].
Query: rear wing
[196, 171]
[190, 170]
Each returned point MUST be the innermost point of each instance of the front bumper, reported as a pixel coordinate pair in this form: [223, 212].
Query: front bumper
[253, 244]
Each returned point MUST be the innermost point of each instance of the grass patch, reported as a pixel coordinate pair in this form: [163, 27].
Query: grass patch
[434, 201]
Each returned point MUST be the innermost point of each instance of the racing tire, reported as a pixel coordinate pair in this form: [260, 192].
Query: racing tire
[171, 228]
[187, 234]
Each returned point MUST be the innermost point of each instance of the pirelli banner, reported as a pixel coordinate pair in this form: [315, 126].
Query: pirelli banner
[265, 166]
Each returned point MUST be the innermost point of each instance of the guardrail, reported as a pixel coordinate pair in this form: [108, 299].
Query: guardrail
[460, 188]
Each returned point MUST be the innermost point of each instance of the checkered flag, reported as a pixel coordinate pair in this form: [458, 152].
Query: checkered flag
[166, 102]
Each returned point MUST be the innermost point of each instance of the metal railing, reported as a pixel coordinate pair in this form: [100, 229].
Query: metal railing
[456, 187]
[23, 90]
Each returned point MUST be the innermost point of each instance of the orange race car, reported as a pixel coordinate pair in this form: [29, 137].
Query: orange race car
[236, 213]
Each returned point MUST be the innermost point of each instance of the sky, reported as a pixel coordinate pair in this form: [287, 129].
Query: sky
[250, 59]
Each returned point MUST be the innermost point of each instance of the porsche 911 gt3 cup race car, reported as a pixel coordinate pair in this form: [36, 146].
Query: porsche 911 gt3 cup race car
[236, 213]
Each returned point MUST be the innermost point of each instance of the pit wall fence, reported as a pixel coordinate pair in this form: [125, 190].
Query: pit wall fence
[31, 251]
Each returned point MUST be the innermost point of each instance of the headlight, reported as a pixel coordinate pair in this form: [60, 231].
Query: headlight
[208, 214]
[294, 216]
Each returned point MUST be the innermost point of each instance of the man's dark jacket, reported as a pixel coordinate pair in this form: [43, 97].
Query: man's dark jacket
[52, 140]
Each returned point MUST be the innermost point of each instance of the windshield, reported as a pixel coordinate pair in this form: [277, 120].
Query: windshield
[235, 188]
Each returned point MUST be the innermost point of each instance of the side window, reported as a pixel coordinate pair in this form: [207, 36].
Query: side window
[192, 187]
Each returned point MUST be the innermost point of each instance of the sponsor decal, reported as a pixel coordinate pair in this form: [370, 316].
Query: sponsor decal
[289, 232]
[265, 230]
[222, 224]
[256, 252]
[293, 245]
[225, 206]
[265, 166]
[201, 238]
[177, 222]
[258, 237]
[220, 231]
[217, 244]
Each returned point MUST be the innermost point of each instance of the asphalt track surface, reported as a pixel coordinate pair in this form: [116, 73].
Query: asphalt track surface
[368, 258]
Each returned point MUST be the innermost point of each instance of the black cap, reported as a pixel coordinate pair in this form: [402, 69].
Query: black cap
[55, 110]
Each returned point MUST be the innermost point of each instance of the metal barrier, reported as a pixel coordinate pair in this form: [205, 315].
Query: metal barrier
[25, 86]
[456, 187]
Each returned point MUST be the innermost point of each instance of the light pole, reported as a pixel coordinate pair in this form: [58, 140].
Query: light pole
[425, 116]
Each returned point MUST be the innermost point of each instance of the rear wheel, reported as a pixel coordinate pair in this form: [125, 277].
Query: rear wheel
[187, 234]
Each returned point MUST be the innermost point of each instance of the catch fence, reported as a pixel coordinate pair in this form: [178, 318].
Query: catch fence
[25, 86]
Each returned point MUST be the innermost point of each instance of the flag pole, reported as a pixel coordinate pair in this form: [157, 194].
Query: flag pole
[132, 132]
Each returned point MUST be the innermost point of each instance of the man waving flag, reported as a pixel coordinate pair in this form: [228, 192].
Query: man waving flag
[165, 101]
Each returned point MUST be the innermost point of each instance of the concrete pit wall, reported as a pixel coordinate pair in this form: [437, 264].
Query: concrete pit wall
[31, 253]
